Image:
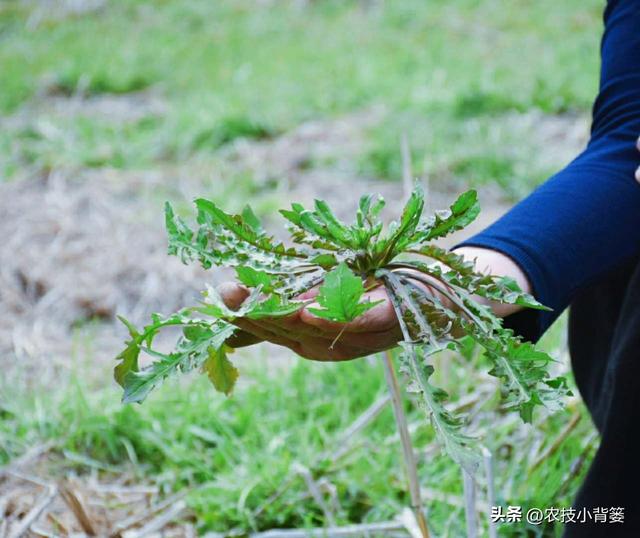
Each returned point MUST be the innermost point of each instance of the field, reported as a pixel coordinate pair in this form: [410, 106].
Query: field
[110, 107]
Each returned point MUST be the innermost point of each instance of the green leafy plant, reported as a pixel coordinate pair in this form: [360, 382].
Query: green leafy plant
[346, 260]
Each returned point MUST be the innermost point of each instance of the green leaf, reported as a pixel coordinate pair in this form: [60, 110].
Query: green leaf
[461, 213]
[308, 229]
[210, 213]
[180, 235]
[506, 290]
[327, 253]
[129, 356]
[252, 220]
[401, 232]
[274, 307]
[326, 261]
[448, 427]
[340, 295]
[340, 233]
[523, 370]
[219, 369]
[213, 305]
[462, 274]
[190, 351]
[364, 207]
[253, 307]
[253, 278]
[452, 260]
[424, 315]
[368, 224]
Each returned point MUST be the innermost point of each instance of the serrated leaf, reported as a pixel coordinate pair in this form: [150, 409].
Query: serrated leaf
[401, 232]
[274, 307]
[339, 231]
[326, 261]
[447, 426]
[461, 213]
[252, 220]
[327, 252]
[253, 307]
[339, 296]
[209, 212]
[129, 356]
[252, 278]
[189, 353]
[506, 290]
[213, 305]
[523, 371]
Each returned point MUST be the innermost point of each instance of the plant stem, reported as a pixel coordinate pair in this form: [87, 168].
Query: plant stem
[442, 289]
[491, 495]
[575, 419]
[470, 504]
[407, 448]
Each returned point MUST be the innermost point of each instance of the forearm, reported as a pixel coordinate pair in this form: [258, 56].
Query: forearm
[496, 263]
[584, 221]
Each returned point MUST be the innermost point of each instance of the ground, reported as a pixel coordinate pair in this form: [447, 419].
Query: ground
[107, 108]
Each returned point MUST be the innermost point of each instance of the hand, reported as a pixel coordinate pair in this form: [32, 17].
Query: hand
[376, 330]
[315, 338]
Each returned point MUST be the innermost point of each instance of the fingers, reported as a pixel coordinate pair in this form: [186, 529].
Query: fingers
[316, 338]
[232, 294]
[309, 294]
[242, 339]
[314, 348]
[264, 333]
[370, 341]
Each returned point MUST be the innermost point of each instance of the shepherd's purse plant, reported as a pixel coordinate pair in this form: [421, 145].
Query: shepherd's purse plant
[345, 261]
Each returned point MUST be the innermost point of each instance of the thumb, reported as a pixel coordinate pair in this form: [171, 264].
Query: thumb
[232, 294]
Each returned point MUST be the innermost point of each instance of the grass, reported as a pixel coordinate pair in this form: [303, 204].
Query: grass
[229, 69]
[232, 454]
[449, 74]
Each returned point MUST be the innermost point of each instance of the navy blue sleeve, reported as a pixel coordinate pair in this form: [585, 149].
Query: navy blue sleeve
[584, 221]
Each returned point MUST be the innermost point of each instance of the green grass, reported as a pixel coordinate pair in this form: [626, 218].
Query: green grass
[229, 69]
[448, 74]
[232, 454]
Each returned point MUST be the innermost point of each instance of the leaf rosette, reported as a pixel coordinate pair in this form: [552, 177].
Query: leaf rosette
[345, 261]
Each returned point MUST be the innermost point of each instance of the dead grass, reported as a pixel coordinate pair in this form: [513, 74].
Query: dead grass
[114, 506]
[83, 246]
[75, 252]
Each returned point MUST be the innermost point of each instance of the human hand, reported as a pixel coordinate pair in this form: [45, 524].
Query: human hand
[316, 338]
[376, 330]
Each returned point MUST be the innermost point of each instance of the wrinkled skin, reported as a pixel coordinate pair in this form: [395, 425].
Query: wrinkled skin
[312, 337]
[376, 330]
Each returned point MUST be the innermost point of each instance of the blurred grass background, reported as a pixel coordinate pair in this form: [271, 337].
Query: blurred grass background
[227, 70]
[490, 94]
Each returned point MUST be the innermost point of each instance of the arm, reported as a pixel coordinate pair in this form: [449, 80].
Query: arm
[377, 330]
[568, 233]
[584, 221]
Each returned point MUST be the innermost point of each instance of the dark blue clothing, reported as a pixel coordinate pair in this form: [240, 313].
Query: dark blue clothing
[585, 221]
[578, 239]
